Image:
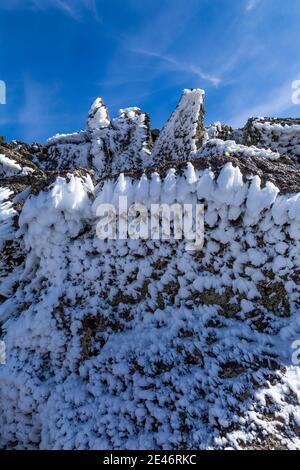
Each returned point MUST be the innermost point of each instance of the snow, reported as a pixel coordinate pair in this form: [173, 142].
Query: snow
[141, 344]
[7, 235]
[7, 213]
[179, 138]
[126, 137]
[9, 167]
[230, 147]
[259, 199]
[98, 117]
[279, 135]
[116, 392]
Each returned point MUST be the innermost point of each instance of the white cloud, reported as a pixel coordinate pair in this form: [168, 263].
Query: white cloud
[251, 5]
[37, 112]
[181, 66]
[278, 102]
[73, 8]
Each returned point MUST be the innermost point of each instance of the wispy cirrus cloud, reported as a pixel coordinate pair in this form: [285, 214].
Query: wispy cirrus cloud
[73, 8]
[251, 5]
[278, 101]
[37, 111]
[180, 66]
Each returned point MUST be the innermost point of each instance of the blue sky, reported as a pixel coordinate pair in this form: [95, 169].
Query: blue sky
[56, 56]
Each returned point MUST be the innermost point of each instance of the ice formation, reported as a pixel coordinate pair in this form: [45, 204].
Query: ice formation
[105, 146]
[183, 134]
[279, 135]
[140, 344]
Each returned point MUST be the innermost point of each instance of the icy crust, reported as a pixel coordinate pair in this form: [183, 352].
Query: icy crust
[9, 167]
[107, 147]
[215, 153]
[7, 213]
[110, 146]
[130, 145]
[75, 138]
[98, 117]
[18, 158]
[143, 345]
[9, 271]
[217, 130]
[184, 132]
[279, 135]
[231, 148]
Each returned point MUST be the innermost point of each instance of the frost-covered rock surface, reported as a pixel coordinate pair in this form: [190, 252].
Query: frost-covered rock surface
[141, 344]
[279, 135]
[184, 132]
[218, 130]
[105, 146]
[111, 146]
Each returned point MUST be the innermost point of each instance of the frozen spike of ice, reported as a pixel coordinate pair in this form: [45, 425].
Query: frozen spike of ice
[105, 195]
[69, 196]
[230, 178]
[183, 189]
[89, 183]
[206, 185]
[121, 185]
[280, 209]
[294, 207]
[258, 200]
[155, 187]
[8, 167]
[98, 117]
[169, 186]
[184, 131]
[123, 188]
[190, 174]
[234, 212]
[142, 190]
[230, 186]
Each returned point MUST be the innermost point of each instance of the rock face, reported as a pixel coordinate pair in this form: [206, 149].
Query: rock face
[279, 135]
[126, 142]
[17, 158]
[142, 344]
[183, 134]
[220, 131]
[107, 147]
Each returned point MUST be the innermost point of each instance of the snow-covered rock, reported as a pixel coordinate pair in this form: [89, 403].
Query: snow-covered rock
[141, 343]
[107, 147]
[184, 132]
[279, 135]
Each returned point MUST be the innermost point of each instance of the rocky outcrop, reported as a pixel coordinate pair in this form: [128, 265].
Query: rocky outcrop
[220, 131]
[280, 135]
[109, 147]
[18, 158]
[143, 344]
[184, 132]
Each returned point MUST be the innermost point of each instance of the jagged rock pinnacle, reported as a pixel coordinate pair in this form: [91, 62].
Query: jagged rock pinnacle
[184, 131]
[98, 117]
